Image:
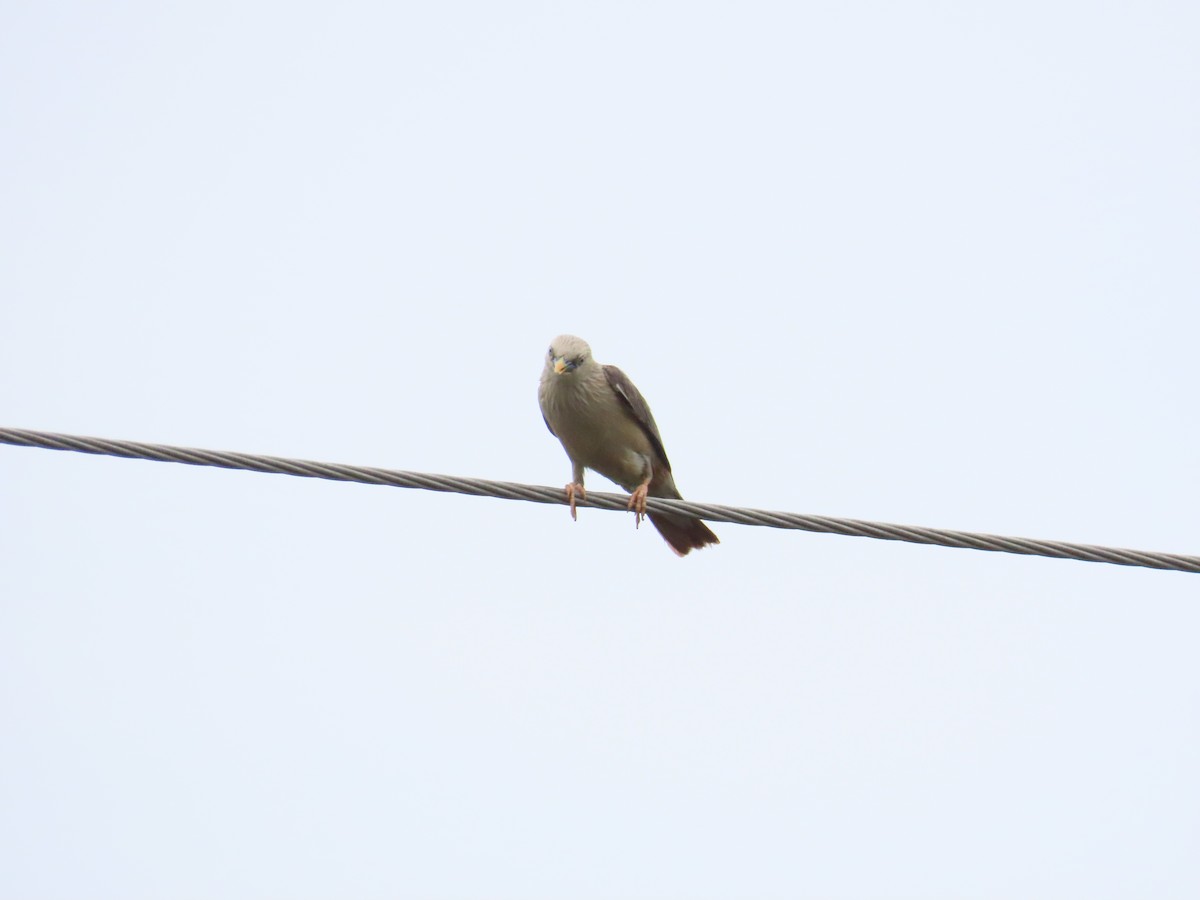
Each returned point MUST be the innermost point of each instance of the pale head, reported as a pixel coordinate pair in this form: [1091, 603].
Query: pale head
[567, 353]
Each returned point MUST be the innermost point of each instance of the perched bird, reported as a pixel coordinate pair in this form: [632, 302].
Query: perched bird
[605, 425]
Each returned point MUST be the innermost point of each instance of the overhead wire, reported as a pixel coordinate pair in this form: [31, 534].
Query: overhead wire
[507, 490]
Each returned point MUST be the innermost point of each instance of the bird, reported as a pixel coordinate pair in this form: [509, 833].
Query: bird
[605, 424]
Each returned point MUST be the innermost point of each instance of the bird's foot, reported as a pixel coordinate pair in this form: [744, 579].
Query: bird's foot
[573, 489]
[637, 503]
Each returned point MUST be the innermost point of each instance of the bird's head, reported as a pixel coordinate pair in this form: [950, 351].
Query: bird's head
[567, 353]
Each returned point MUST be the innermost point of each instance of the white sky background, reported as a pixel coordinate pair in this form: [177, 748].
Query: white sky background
[929, 263]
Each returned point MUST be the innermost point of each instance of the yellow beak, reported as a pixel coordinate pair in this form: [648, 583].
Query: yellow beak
[560, 365]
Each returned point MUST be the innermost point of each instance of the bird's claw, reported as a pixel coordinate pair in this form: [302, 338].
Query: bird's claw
[572, 489]
[637, 503]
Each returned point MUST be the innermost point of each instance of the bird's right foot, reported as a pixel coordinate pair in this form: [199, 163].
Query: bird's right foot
[573, 489]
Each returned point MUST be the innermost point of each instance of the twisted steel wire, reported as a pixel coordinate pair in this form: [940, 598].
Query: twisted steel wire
[508, 490]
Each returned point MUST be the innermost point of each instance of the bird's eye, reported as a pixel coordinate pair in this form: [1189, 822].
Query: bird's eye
[551, 351]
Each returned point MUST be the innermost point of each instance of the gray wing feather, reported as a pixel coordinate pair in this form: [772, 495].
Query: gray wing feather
[637, 405]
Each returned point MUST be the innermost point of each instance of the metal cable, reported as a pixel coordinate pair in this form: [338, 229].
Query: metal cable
[508, 490]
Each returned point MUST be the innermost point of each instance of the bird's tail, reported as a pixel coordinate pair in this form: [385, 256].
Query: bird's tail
[683, 534]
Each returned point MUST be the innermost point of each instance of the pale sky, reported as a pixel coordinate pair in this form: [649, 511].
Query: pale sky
[929, 263]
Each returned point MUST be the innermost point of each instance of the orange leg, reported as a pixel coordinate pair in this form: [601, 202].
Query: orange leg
[572, 489]
[637, 501]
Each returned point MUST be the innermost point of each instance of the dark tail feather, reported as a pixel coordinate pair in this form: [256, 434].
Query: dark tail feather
[683, 534]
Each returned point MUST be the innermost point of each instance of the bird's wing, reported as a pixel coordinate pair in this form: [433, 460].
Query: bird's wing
[632, 399]
[547, 421]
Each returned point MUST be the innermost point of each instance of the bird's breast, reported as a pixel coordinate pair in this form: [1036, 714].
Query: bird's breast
[598, 432]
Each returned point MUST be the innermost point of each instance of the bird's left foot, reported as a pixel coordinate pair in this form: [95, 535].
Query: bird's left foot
[637, 503]
[575, 489]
